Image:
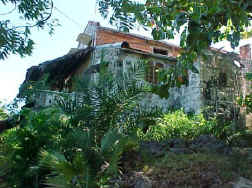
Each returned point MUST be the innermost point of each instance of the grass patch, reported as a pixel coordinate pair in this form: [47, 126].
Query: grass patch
[193, 170]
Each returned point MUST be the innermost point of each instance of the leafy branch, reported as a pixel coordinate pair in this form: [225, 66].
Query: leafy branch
[15, 39]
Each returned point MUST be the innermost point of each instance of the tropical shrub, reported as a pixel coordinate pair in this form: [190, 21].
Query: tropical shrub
[246, 102]
[46, 149]
[78, 143]
[89, 165]
[102, 127]
[178, 124]
[20, 146]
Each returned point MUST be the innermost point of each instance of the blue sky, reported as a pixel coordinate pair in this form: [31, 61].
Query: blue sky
[13, 69]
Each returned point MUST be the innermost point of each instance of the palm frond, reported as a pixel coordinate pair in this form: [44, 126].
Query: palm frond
[65, 173]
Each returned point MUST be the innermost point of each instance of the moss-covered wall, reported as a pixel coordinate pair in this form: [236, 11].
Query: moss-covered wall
[221, 84]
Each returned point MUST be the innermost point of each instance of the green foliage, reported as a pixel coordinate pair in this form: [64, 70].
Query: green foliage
[65, 173]
[246, 34]
[20, 146]
[223, 130]
[15, 39]
[111, 101]
[47, 144]
[101, 128]
[242, 138]
[178, 125]
[176, 75]
[249, 76]
[247, 100]
[3, 114]
[79, 143]
[89, 165]
[200, 22]
[28, 91]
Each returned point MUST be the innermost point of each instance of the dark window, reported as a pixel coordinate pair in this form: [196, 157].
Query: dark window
[152, 72]
[120, 63]
[160, 51]
[222, 79]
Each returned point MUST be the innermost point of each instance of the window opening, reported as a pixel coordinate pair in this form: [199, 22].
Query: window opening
[152, 72]
[160, 51]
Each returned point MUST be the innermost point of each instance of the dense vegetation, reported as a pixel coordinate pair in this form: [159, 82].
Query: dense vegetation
[207, 20]
[91, 142]
[200, 22]
[247, 100]
[83, 143]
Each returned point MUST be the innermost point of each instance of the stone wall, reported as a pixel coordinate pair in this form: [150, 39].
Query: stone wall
[221, 85]
[245, 55]
[188, 98]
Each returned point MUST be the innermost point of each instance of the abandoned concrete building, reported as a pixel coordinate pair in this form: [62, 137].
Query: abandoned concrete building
[219, 81]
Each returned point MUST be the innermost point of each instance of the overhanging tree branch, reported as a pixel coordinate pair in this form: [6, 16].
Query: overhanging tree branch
[16, 39]
[198, 21]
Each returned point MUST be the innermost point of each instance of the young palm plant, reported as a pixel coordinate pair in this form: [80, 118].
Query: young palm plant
[20, 146]
[102, 123]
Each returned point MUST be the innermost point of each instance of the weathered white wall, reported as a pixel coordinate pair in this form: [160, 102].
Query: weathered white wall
[188, 98]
